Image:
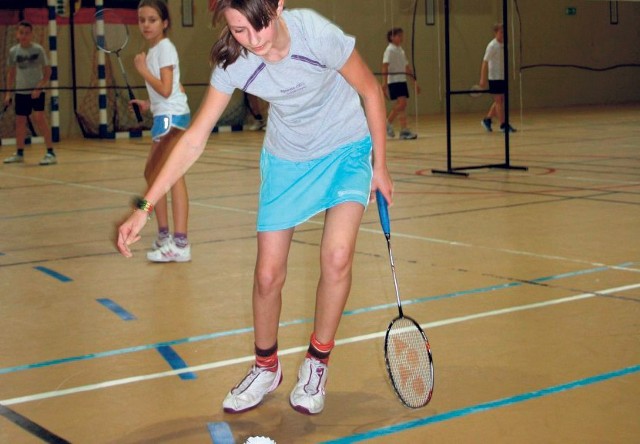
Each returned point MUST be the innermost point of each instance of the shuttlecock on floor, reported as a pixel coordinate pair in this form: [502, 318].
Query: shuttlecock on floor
[259, 440]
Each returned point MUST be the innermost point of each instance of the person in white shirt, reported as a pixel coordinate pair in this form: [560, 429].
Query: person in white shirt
[395, 70]
[160, 69]
[492, 74]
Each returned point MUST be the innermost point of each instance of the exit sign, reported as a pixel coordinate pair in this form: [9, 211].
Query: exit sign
[571, 10]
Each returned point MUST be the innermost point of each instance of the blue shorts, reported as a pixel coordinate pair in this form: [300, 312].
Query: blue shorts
[293, 192]
[163, 123]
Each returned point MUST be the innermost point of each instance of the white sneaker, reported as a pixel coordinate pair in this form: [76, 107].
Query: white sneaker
[308, 394]
[160, 242]
[49, 159]
[170, 253]
[16, 158]
[252, 389]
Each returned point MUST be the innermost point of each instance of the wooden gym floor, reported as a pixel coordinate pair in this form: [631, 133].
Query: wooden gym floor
[527, 282]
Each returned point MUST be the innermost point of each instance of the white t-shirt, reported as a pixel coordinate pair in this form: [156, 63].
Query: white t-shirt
[494, 56]
[28, 62]
[397, 60]
[313, 109]
[162, 55]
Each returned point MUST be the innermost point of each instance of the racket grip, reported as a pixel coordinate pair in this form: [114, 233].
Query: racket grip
[136, 109]
[383, 212]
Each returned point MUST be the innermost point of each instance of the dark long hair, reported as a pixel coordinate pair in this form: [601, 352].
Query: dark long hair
[226, 50]
[161, 8]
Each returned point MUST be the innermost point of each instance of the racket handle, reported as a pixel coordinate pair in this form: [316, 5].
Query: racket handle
[136, 108]
[383, 212]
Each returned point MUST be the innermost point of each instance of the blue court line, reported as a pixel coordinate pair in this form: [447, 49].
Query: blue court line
[122, 351]
[117, 309]
[220, 433]
[453, 414]
[175, 361]
[297, 321]
[53, 274]
[484, 289]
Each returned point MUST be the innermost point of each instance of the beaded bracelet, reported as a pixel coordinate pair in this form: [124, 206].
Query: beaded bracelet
[141, 203]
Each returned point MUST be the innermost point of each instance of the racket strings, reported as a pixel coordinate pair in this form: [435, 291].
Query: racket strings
[115, 37]
[109, 32]
[409, 362]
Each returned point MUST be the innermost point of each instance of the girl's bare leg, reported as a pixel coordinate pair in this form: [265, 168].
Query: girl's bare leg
[336, 258]
[155, 160]
[269, 278]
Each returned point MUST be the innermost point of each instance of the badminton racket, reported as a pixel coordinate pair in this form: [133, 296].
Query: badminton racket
[406, 348]
[5, 108]
[111, 35]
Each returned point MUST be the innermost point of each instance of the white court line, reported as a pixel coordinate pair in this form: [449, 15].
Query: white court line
[70, 184]
[288, 351]
[622, 268]
[503, 250]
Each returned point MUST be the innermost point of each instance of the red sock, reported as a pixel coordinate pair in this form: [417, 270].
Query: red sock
[267, 358]
[319, 351]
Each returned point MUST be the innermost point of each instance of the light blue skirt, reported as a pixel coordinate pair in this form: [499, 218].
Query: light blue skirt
[293, 192]
[163, 123]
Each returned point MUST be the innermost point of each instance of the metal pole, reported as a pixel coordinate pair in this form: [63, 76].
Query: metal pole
[72, 38]
[447, 81]
[505, 35]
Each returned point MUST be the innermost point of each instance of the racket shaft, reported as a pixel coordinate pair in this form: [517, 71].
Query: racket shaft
[395, 279]
[383, 212]
[136, 108]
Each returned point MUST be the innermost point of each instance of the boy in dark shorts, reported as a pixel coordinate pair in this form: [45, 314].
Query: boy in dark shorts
[395, 70]
[28, 72]
[492, 73]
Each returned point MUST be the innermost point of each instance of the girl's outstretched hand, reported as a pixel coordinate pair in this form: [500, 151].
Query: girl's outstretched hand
[129, 231]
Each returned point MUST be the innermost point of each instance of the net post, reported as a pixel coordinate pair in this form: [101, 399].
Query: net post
[103, 127]
[506, 163]
[447, 69]
[53, 55]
